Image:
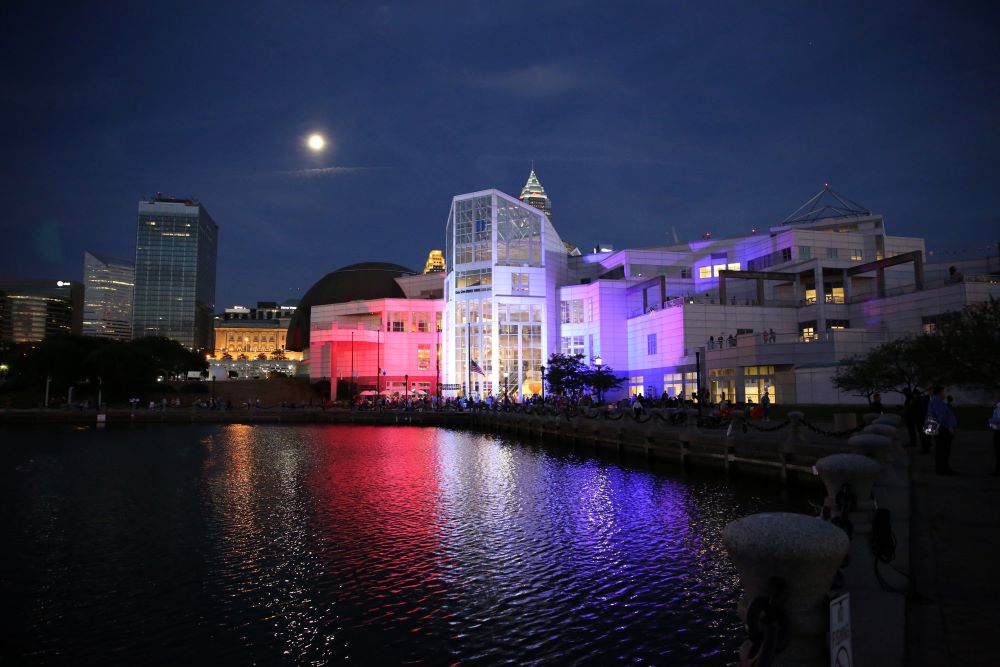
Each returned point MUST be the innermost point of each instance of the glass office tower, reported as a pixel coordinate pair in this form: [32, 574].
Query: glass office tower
[175, 257]
[107, 299]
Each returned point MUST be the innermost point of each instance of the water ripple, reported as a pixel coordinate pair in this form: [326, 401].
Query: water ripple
[318, 544]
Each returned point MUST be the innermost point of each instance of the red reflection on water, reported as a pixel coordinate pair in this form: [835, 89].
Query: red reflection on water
[382, 522]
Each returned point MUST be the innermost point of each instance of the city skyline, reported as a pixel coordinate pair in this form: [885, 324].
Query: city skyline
[686, 119]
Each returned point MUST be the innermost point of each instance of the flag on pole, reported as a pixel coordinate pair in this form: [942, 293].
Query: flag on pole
[476, 368]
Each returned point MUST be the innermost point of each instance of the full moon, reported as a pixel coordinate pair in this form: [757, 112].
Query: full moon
[316, 142]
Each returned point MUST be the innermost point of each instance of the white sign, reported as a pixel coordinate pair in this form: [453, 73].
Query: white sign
[840, 632]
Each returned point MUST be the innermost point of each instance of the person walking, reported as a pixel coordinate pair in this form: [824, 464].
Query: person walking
[910, 416]
[995, 427]
[942, 412]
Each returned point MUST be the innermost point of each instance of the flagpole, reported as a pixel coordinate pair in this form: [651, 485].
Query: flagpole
[468, 349]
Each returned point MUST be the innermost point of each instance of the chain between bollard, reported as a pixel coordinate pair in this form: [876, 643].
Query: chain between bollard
[765, 429]
[833, 434]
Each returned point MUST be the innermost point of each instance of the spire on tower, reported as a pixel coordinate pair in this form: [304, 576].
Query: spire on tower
[533, 194]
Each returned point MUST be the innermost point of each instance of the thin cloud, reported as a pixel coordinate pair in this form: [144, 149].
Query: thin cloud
[537, 81]
[319, 172]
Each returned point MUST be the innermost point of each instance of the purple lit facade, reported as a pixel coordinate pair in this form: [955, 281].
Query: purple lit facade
[773, 311]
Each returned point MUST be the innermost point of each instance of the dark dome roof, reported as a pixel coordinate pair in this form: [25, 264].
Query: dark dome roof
[357, 282]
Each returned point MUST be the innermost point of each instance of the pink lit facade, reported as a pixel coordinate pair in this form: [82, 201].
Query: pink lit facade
[774, 311]
[387, 346]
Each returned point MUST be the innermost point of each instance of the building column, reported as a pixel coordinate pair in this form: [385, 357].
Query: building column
[820, 300]
[740, 388]
[760, 291]
[722, 289]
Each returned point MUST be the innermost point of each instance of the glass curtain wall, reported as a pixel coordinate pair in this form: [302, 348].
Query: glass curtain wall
[494, 326]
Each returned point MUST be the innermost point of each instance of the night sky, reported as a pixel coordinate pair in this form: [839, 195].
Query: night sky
[640, 118]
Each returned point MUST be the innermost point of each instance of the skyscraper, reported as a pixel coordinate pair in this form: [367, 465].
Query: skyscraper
[107, 299]
[32, 310]
[533, 194]
[175, 255]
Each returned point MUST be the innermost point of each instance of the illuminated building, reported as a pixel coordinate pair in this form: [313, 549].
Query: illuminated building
[175, 258]
[533, 194]
[32, 310]
[107, 298]
[386, 314]
[774, 311]
[251, 341]
[435, 262]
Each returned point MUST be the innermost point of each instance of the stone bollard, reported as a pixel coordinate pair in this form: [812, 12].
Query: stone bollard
[869, 417]
[736, 424]
[889, 418]
[805, 553]
[861, 473]
[795, 437]
[880, 429]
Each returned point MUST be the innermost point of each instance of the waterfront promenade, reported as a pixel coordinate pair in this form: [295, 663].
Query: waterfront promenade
[954, 611]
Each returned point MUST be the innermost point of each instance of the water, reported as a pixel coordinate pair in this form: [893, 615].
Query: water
[314, 544]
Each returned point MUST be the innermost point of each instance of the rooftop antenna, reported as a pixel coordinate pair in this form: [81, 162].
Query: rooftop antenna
[673, 230]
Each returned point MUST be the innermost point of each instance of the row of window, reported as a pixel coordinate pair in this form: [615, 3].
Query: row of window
[414, 322]
[712, 270]
[806, 252]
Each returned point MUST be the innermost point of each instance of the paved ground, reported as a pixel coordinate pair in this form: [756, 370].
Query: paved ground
[954, 618]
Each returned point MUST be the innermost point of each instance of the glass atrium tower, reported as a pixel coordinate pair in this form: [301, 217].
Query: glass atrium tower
[175, 256]
[107, 299]
[504, 262]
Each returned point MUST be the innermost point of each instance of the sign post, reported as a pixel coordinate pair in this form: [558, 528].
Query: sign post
[840, 631]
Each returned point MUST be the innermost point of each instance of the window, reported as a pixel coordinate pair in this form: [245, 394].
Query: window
[651, 343]
[421, 322]
[685, 272]
[786, 254]
[831, 253]
[571, 345]
[857, 255]
[673, 384]
[474, 278]
[805, 252]
[423, 357]
[519, 283]
[838, 324]
[705, 271]
[571, 312]
[635, 385]
[395, 321]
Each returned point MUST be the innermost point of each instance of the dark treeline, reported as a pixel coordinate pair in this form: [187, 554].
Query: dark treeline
[120, 369]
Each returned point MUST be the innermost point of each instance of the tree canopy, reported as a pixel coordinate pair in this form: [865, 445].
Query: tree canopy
[963, 351]
[120, 368]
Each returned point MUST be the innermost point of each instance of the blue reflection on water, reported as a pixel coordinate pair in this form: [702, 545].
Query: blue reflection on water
[397, 545]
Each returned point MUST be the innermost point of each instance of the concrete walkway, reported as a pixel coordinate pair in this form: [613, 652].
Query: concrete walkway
[954, 617]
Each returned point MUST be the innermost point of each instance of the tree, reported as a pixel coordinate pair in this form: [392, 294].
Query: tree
[565, 374]
[970, 340]
[861, 375]
[601, 379]
[906, 364]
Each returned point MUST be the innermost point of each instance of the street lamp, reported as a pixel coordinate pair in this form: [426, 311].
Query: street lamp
[598, 362]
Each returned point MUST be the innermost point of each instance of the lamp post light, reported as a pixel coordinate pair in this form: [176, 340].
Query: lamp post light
[598, 363]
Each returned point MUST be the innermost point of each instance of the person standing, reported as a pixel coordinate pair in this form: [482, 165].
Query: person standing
[910, 414]
[995, 427]
[942, 412]
[765, 404]
[877, 406]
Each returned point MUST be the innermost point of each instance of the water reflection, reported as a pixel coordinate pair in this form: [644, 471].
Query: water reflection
[325, 544]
